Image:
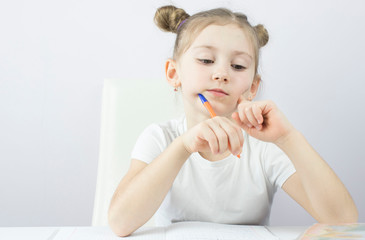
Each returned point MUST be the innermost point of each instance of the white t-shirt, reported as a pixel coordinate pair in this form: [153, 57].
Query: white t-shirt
[229, 191]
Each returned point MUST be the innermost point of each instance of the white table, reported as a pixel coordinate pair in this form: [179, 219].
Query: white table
[287, 232]
[89, 233]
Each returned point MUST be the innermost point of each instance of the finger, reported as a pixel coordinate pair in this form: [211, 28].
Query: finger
[250, 116]
[239, 131]
[232, 132]
[257, 112]
[220, 134]
[209, 136]
[237, 119]
[242, 115]
[258, 119]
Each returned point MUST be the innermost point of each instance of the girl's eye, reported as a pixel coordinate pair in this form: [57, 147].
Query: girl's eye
[238, 67]
[206, 61]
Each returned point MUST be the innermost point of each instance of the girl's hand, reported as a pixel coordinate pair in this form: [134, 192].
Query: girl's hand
[217, 135]
[262, 120]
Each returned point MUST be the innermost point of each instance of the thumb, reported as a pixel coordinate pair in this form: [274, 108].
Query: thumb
[237, 119]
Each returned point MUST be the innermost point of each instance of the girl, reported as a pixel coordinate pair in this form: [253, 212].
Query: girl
[187, 169]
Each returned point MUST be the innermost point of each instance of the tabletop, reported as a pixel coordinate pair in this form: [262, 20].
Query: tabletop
[101, 233]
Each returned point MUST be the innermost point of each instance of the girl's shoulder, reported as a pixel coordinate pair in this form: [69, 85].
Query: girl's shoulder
[155, 138]
[174, 127]
[169, 129]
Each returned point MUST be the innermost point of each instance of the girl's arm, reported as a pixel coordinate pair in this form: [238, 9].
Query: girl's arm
[314, 185]
[142, 190]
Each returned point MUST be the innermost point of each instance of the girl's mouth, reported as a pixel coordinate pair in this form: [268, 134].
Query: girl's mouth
[217, 92]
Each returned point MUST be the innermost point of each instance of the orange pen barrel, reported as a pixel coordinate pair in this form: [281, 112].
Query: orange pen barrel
[210, 109]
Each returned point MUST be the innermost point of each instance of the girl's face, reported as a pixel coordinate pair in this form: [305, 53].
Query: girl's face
[220, 65]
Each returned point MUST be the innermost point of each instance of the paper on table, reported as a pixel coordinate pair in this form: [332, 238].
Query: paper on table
[31, 233]
[216, 231]
[105, 233]
[180, 231]
[328, 231]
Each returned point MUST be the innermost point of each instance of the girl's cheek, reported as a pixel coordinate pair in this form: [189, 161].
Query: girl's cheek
[243, 88]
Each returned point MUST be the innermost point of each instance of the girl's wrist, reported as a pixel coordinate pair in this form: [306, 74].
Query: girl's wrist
[180, 139]
[288, 139]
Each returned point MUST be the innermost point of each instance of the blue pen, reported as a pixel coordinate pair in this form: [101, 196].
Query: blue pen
[207, 105]
[209, 108]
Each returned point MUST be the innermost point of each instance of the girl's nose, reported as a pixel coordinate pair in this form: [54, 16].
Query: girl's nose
[221, 76]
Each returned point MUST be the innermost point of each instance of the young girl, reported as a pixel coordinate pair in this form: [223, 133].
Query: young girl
[187, 169]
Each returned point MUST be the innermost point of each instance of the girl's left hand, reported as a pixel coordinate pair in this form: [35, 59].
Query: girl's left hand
[262, 120]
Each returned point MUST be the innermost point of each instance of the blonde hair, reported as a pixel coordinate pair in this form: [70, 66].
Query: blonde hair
[172, 19]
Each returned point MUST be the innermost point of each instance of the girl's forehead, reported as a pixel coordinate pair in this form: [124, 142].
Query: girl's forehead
[227, 36]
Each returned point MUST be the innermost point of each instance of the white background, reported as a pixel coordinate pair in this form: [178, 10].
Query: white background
[54, 56]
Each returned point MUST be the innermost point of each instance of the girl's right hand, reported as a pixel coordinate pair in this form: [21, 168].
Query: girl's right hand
[217, 135]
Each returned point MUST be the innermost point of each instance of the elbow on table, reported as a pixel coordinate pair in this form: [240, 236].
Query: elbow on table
[350, 216]
[344, 218]
[119, 227]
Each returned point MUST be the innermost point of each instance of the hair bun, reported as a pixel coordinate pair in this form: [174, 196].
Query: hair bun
[168, 18]
[262, 34]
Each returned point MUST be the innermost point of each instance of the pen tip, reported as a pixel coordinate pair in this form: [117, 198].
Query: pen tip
[202, 98]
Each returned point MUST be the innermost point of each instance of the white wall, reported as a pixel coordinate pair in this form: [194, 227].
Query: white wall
[54, 56]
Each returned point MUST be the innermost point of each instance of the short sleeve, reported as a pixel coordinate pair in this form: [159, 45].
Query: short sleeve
[278, 166]
[150, 144]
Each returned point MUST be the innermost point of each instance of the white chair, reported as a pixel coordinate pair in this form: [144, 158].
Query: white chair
[128, 106]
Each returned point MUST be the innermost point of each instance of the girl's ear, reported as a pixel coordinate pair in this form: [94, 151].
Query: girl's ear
[255, 86]
[172, 76]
